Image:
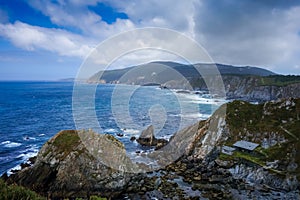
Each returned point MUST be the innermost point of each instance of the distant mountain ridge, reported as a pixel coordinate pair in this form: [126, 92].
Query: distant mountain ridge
[244, 83]
[187, 71]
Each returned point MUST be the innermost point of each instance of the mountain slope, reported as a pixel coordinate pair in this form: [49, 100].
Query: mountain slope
[166, 68]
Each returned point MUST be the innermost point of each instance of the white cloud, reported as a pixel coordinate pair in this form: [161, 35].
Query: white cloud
[245, 32]
[55, 40]
[177, 15]
[77, 15]
[250, 34]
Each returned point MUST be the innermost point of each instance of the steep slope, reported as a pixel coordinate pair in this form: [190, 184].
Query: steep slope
[254, 88]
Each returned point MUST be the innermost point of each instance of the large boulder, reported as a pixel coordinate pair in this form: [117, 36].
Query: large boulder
[147, 138]
[79, 164]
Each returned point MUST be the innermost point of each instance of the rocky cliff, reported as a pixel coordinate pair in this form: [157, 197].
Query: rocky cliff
[253, 88]
[70, 165]
[73, 164]
[243, 83]
[272, 169]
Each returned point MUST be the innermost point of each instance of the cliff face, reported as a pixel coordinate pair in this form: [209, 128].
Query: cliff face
[70, 166]
[271, 171]
[274, 126]
[253, 88]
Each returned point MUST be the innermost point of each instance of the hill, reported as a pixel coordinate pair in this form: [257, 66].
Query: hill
[243, 83]
[166, 71]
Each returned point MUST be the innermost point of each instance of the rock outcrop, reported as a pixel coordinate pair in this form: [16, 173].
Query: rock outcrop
[79, 164]
[270, 171]
[147, 138]
[252, 88]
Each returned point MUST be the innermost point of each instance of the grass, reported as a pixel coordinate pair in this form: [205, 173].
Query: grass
[14, 192]
[66, 140]
[279, 80]
[249, 157]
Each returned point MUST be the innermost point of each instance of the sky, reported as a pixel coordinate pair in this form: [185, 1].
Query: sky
[49, 40]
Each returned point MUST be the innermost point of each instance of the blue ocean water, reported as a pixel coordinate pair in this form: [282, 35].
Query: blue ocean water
[33, 112]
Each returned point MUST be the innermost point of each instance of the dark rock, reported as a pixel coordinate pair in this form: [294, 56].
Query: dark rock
[24, 165]
[32, 160]
[224, 163]
[120, 134]
[133, 138]
[4, 176]
[147, 138]
[77, 164]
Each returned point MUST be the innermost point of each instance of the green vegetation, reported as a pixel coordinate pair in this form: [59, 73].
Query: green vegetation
[97, 198]
[66, 140]
[245, 117]
[276, 120]
[115, 141]
[279, 80]
[14, 192]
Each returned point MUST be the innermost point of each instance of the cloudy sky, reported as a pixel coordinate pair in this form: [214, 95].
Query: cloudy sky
[48, 40]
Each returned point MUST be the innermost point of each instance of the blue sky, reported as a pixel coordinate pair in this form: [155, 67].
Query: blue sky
[48, 40]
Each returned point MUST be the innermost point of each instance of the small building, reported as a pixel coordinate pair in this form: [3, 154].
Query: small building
[228, 150]
[245, 145]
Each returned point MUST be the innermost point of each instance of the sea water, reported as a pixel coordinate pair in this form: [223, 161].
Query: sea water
[33, 112]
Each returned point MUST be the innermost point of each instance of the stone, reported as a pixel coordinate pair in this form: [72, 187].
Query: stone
[86, 163]
[147, 138]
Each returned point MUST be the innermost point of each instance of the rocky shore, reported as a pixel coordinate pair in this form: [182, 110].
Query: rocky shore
[83, 163]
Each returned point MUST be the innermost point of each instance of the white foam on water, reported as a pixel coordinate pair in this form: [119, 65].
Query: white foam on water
[9, 172]
[131, 131]
[110, 130]
[192, 115]
[10, 144]
[29, 153]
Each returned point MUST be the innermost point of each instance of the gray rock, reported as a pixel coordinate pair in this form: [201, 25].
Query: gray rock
[79, 164]
[147, 138]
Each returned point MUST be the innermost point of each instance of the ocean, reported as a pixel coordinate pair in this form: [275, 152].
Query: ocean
[33, 112]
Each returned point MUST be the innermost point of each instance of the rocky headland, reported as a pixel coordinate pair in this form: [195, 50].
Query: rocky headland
[243, 83]
[83, 163]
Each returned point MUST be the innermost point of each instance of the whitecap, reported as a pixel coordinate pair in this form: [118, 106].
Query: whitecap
[110, 130]
[9, 172]
[26, 156]
[10, 144]
[196, 115]
[5, 142]
[131, 131]
[192, 115]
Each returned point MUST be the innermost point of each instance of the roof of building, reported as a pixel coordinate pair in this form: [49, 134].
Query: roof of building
[245, 145]
[227, 148]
